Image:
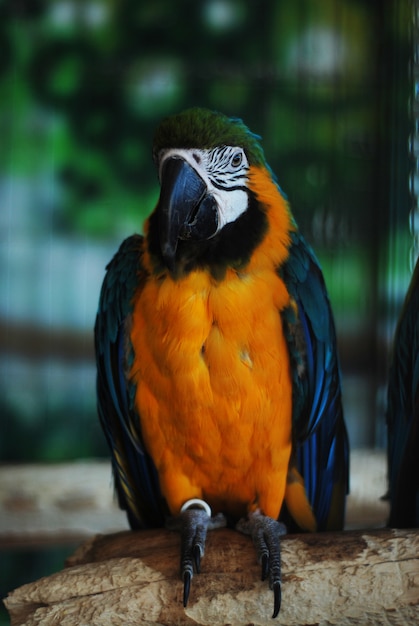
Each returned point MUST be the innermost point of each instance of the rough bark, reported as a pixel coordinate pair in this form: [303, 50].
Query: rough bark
[361, 577]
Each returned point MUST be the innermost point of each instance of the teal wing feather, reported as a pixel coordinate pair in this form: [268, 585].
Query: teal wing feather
[134, 473]
[320, 436]
[403, 414]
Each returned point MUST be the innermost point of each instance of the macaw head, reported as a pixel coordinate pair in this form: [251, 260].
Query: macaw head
[209, 214]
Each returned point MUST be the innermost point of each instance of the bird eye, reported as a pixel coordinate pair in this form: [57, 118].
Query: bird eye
[237, 159]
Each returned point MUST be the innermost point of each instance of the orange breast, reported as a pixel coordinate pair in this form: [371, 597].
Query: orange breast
[214, 389]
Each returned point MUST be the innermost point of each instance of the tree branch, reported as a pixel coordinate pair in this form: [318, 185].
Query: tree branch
[361, 577]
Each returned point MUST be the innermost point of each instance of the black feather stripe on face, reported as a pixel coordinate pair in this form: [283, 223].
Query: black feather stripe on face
[231, 248]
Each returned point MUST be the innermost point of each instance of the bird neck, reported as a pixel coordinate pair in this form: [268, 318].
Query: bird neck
[273, 249]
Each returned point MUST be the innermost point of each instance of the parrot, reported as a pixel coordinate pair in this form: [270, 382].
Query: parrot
[403, 414]
[218, 378]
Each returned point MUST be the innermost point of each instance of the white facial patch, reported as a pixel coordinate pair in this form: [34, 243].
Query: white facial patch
[224, 170]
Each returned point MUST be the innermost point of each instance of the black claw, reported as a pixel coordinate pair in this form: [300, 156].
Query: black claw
[265, 565]
[194, 525]
[186, 587]
[197, 558]
[277, 598]
[266, 533]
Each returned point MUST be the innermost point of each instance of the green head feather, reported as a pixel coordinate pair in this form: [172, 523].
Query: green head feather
[205, 129]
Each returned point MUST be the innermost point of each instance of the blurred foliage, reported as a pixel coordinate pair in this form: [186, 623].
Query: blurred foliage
[48, 412]
[90, 79]
[50, 437]
[83, 84]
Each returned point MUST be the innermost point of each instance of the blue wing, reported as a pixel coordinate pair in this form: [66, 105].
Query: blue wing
[320, 436]
[134, 473]
[403, 414]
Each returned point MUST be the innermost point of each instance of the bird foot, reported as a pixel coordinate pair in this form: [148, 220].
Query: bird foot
[265, 533]
[193, 523]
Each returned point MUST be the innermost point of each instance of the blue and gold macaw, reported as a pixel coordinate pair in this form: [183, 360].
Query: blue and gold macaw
[218, 380]
[403, 414]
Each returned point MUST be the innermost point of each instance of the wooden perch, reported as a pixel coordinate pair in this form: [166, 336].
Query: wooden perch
[361, 577]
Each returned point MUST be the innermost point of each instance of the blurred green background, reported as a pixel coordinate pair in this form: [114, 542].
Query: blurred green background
[83, 83]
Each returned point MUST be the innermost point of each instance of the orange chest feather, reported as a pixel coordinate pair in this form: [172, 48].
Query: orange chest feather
[212, 378]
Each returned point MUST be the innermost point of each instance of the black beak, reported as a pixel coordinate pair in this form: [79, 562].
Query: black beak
[185, 209]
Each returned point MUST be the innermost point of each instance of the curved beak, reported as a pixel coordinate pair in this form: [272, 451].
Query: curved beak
[185, 209]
